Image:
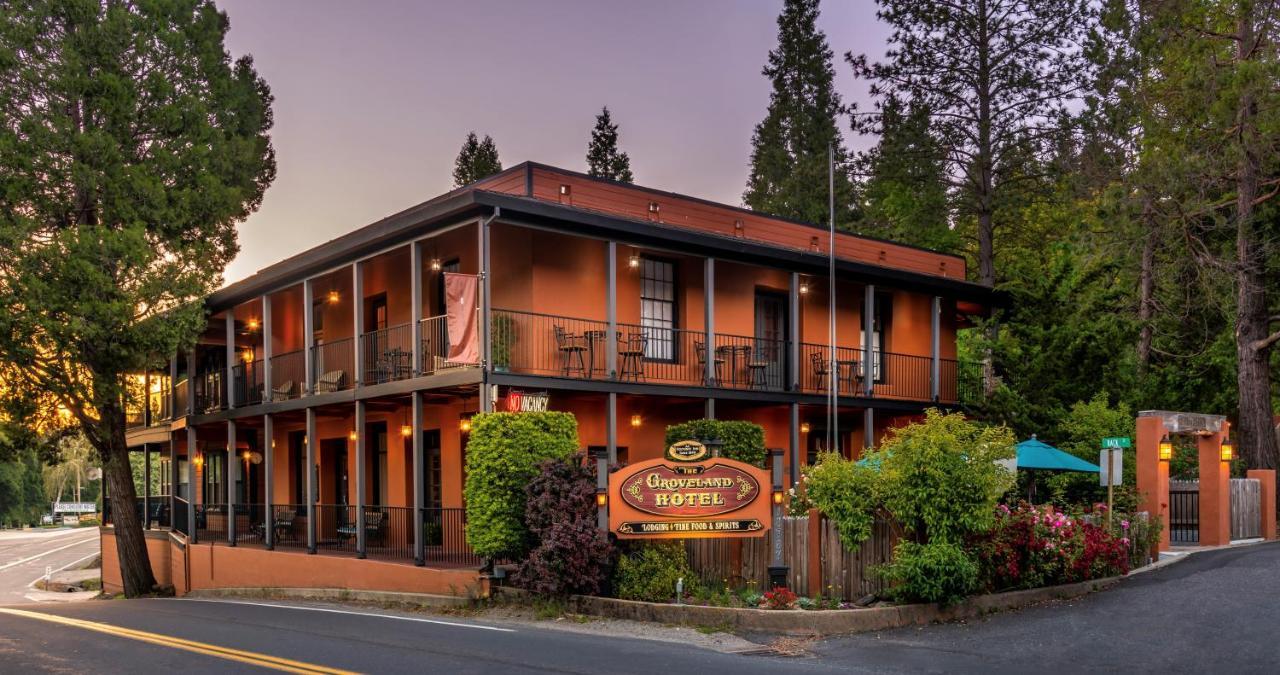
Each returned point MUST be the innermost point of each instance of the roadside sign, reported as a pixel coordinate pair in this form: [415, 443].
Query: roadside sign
[1116, 442]
[1112, 467]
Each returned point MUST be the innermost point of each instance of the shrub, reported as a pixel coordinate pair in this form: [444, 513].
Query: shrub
[779, 598]
[1029, 547]
[502, 457]
[846, 492]
[935, 572]
[743, 441]
[940, 478]
[650, 572]
[572, 554]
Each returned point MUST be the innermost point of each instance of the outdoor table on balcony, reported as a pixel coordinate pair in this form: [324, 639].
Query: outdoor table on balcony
[851, 367]
[593, 337]
[732, 354]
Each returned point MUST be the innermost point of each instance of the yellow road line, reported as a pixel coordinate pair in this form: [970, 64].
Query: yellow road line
[253, 658]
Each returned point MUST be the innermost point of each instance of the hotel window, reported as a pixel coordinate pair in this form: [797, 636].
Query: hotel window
[879, 329]
[658, 308]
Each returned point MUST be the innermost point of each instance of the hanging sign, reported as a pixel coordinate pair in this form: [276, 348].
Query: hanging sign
[527, 401]
[715, 497]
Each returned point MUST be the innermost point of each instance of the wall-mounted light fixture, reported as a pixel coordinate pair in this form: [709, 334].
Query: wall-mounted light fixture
[777, 496]
[602, 499]
[436, 265]
[199, 460]
[406, 431]
[252, 324]
[464, 424]
[247, 355]
[334, 296]
[804, 427]
[804, 287]
[352, 435]
[633, 261]
[1228, 451]
[1166, 449]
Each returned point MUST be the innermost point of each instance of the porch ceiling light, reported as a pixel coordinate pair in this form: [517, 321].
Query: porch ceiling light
[1166, 449]
[1228, 450]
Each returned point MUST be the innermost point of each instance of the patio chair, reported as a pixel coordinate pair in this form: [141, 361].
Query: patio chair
[700, 348]
[821, 370]
[758, 366]
[284, 392]
[632, 351]
[330, 381]
[282, 523]
[573, 351]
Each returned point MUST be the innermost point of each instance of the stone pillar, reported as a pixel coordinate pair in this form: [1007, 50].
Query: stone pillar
[1153, 476]
[1215, 490]
[1267, 477]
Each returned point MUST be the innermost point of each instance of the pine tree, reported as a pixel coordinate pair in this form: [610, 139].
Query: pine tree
[789, 156]
[603, 158]
[476, 160]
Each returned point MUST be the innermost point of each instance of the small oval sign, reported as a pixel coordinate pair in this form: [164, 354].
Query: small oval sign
[686, 451]
[690, 492]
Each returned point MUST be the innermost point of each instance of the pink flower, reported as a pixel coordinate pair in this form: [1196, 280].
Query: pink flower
[1124, 524]
[1124, 540]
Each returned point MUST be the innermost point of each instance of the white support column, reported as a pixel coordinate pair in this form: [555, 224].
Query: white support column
[267, 387]
[611, 427]
[415, 300]
[795, 443]
[357, 314]
[361, 471]
[268, 497]
[419, 485]
[230, 375]
[192, 481]
[308, 337]
[486, 341]
[868, 328]
[793, 335]
[709, 318]
[312, 446]
[935, 369]
[233, 472]
[611, 309]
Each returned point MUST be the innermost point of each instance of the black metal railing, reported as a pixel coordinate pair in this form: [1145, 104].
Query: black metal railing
[211, 523]
[180, 518]
[751, 363]
[250, 523]
[1184, 516]
[336, 528]
[181, 397]
[158, 514]
[289, 525]
[544, 344]
[389, 532]
[159, 402]
[332, 366]
[662, 355]
[288, 375]
[434, 333]
[444, 538]
[387, 354]
[210, 392]
[248, 382]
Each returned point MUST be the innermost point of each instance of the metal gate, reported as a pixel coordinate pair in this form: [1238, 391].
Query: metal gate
[1184, 512]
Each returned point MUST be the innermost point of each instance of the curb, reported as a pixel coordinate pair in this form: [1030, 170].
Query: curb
[828, 622]
[407, 600]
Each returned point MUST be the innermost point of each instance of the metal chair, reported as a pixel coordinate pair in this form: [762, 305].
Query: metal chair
[632, 353]
[821, 370]
[700, 348]
[572, 352]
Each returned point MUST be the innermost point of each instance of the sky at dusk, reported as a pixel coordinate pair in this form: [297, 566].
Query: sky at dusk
[373, 99]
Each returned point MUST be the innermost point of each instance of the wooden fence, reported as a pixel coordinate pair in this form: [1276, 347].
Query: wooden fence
[1246, 508]
[848, 575]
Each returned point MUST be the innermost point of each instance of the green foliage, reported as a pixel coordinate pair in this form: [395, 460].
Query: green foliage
[604, 160]
[650, 572]
[940, 478]
[789, 148]
[743, 441]
[502, 458]
[572, 553]
[476, 160]
[504, 336]
[846, 492]
[934, 572]
[1084, 427]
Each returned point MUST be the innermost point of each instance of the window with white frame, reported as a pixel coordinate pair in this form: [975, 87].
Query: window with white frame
[658, 308]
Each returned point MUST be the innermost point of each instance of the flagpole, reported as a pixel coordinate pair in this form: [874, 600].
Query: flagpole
[833, 366]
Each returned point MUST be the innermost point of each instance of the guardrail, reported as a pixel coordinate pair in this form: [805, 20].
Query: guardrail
[387, 354]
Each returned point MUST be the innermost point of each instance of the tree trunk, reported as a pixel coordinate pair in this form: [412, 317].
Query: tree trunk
[131, 548]
[1257, 440]
[1146, 286]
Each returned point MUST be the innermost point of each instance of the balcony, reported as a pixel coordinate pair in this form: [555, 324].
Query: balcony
[556, 346]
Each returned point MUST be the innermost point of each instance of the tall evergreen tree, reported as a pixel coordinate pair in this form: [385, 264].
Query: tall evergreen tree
[903, 186]
[130, 147]
[604, 160]
[477, 159]
[789, 155]
[994, 75]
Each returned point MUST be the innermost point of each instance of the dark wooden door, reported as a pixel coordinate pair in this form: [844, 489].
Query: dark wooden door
[771, 335]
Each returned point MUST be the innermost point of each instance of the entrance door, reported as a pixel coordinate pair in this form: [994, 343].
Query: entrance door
[376, 338]
[376, 444]
[431, 477]
[771, 338]
[336, 450]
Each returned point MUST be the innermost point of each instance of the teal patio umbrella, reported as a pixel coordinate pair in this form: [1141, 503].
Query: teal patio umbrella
[1035, 455]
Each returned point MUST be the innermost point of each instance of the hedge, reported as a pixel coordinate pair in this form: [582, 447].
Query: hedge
[502, 458]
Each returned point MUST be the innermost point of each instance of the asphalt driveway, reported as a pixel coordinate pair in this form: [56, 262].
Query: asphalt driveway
[1217, 611]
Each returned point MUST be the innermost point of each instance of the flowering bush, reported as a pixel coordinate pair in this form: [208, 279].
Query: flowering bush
[779, 598]
[1032, 546]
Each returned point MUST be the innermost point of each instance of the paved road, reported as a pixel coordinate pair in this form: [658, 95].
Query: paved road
[1215, 612]
[1218, 611]
[24, 554]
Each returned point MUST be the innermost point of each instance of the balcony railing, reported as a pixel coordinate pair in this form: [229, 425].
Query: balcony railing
[288, 374]
[434, 332]
[182, 396]
[210, 392]
[248, 382]
[543, 344]
[387, 354]
[333, 366]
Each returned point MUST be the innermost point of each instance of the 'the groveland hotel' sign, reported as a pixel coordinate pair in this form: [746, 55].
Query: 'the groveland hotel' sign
[688, 494]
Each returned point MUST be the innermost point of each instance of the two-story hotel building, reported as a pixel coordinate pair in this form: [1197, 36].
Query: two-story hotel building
[321, 411]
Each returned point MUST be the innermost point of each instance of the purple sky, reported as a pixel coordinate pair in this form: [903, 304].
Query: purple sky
[373, 99]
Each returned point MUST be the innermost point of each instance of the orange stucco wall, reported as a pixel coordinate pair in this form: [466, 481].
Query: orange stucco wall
[159, 550]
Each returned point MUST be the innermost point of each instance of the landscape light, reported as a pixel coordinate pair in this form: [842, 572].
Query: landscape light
[1228, 450]
[1166, 449]
[602, 499]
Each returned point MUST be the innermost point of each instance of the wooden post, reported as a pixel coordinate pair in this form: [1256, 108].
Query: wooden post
[815, 553]
[1267, 500]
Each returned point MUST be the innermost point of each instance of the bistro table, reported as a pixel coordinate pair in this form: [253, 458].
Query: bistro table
[731, 354]
[593, 337]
